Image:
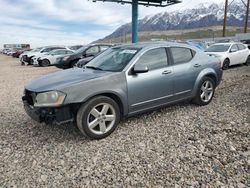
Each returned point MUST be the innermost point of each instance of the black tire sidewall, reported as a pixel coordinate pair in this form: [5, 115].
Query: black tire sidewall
[45, 63]
[84, 110]
[226, 61]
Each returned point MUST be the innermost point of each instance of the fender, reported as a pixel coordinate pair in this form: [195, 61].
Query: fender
[202, 74]
[119, 94]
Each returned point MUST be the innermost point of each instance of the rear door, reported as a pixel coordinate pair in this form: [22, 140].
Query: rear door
[234, 55]
[185, 70]
[244, 52]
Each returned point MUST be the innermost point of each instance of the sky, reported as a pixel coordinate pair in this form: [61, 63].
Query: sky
[68, 22]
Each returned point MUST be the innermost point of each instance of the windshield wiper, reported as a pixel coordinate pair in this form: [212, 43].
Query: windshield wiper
[95, 68]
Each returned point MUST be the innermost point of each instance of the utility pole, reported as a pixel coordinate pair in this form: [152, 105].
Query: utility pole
[246, 20]
[225, 19]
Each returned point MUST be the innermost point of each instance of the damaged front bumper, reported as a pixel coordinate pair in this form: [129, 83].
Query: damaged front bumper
[49, 115]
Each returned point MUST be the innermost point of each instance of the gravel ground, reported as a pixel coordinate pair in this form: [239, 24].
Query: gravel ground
[182, 145]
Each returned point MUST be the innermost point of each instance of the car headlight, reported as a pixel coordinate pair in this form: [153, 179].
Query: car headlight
[65, 58]
[50, 98]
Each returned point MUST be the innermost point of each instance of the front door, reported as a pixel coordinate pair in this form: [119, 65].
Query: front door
[153, 88]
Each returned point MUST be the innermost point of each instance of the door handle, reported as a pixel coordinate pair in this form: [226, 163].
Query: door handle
[197, 65]
[166, 72]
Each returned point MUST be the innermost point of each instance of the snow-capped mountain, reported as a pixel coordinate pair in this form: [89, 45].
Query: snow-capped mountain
[203, 15]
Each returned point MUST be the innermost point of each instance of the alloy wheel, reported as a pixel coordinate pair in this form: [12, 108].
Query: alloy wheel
[101, 118]
[207, 91]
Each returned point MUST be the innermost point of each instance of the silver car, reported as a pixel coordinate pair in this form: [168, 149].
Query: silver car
[123, 81]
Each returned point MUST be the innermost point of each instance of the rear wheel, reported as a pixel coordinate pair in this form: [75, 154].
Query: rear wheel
[45, 63]
[205, 91]
[98, 118]
[247, 61]
[226, 64]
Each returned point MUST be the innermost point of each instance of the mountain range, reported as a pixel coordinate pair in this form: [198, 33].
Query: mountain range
[203, 15]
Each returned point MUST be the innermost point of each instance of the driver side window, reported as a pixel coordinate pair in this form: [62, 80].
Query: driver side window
[92, 50]
[154, 59]
[234, 48]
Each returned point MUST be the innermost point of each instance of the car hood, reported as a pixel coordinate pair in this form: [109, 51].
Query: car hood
[216, 53]
[64, 78]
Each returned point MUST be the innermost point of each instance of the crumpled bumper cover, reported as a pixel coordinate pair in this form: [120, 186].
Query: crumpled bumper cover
[49, 115]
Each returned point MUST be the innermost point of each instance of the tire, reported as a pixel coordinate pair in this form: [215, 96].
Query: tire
[205, 91]
[72, 64]
[247, 61]
[102, 113]
[226, 64]
[45, 63]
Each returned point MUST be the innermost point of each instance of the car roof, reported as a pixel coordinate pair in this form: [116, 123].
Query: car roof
[154, 44]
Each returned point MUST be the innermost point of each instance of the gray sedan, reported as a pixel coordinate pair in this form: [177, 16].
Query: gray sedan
[123, 81]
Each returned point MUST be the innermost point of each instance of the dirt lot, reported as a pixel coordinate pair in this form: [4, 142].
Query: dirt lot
[182, 145]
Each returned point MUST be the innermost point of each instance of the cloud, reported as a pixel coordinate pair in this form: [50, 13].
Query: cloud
[67, 22]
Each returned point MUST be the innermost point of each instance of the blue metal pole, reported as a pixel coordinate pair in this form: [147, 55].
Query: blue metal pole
[134, 21]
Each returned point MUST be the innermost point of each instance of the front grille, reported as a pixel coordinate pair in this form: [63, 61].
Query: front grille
[26, 58]
[29, 97]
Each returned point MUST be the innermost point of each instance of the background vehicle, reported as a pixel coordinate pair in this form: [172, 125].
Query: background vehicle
[75, 47]
[52, 57]
[84, 52]
[82, 62]
[123, 81]
[27, 57]
[230, 53]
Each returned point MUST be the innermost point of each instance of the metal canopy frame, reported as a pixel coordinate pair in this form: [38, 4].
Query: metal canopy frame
[135, 3]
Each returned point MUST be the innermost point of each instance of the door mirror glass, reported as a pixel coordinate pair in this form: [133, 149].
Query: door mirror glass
[139, 68]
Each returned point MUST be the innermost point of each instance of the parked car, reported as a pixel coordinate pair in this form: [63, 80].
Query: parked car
[123, 81]
[84, 61]
[230, 53]
[247, 42]
[27, 57]
[198, 44]
[51, 57]
[83, 52]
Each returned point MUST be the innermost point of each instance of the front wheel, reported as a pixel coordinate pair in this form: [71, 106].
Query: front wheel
[205, 91]
[226, 64]
[98, 118]
[45, 63]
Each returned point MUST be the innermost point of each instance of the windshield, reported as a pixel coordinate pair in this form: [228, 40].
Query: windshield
[36, 50]
[80, 50]
[113, 59]
[218, 48]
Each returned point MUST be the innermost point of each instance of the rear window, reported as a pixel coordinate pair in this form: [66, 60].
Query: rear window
[182, 55]
[241, 46]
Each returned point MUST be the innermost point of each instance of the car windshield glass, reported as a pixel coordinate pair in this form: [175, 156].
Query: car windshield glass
[36, 50]
[80, 50]
[113, 59]
[218, 48]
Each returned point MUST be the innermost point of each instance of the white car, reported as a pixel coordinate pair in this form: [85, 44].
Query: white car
[51, 57]
[27, 57]
[230, 53]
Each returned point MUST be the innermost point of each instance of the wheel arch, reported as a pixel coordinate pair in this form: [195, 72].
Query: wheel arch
[205, 73]
[113, 95]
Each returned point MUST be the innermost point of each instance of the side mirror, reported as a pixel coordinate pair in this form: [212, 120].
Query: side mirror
[138, 68]
[233, 50]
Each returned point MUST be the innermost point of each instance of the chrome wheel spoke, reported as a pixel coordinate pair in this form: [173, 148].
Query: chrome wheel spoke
[93, 124]
[95, 112]
[206, 96]
[102, 127]
[202, 95]
[203, 88]
[109, 118]
[105, 109]
[210, 89]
